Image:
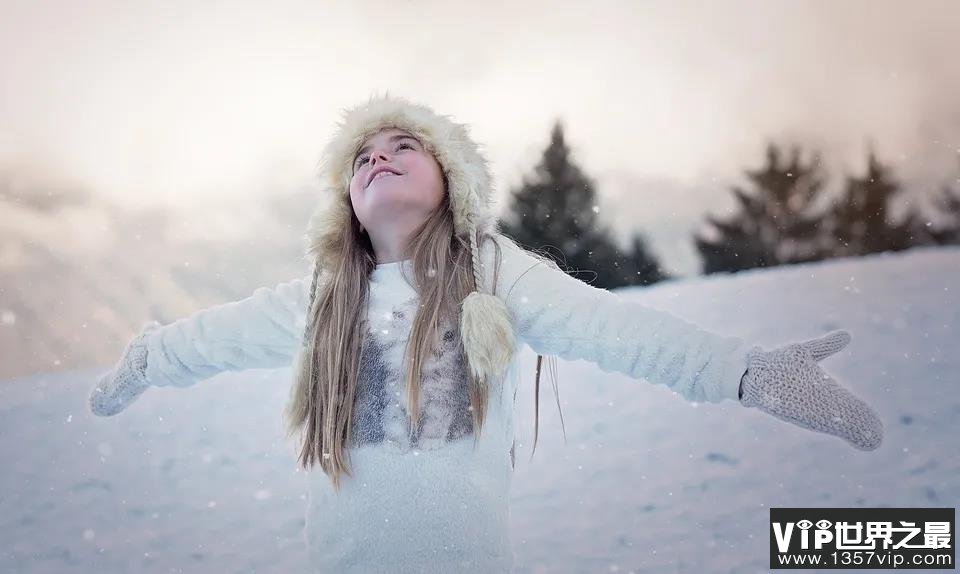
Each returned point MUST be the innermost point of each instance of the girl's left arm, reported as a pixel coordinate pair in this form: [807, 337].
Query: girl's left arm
[556, 314]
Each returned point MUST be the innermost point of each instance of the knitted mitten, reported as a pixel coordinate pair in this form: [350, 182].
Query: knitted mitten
[126, 381]
[788, 383]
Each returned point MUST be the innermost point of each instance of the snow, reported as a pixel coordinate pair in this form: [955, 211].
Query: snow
[202, 479]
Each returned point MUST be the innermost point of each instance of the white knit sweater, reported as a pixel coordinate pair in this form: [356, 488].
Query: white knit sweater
[431, 499]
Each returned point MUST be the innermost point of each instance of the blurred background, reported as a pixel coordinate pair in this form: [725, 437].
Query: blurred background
[159, 158]
[773, 170]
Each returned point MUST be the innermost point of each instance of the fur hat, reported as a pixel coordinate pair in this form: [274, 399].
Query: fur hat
[484, 320]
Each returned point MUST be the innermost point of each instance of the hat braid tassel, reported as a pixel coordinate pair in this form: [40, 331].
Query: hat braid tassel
[485, 326]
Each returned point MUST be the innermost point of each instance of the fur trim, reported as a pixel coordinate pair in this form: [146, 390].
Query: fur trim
[466, 169]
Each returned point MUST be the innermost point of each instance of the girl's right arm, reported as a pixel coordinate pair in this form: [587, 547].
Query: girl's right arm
[263, 330]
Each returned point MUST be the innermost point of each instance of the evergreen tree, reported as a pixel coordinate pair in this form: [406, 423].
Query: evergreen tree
[860, 221]
[775, 224]
[948, 205]
[556, 212]
[645, 268]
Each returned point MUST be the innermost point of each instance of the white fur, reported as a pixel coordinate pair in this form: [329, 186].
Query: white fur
[488, 338]
[467, 170]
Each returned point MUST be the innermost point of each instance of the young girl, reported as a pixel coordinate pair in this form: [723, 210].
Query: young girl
[403, 338]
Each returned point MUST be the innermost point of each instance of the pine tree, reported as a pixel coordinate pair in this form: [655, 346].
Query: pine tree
[948, 205]
[645, 268]
[556, 213]
[775, 224]
[860, 221]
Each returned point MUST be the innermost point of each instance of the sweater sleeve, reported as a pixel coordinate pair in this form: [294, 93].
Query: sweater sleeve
[557, 314]
[263, 330]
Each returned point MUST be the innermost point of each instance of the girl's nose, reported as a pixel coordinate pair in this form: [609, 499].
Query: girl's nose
[378, 155]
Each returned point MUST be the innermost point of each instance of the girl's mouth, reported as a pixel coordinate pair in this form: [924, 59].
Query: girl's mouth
[380, 175]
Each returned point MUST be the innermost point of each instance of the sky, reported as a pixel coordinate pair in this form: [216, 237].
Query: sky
[214, 105]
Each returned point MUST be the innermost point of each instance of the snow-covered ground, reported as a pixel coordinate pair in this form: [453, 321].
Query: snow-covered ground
[202, 480]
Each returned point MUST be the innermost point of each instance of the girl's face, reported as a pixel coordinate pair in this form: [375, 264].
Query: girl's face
[410, 188]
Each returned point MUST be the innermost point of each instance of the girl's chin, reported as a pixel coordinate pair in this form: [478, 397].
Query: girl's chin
[386, 181]
[391, 198]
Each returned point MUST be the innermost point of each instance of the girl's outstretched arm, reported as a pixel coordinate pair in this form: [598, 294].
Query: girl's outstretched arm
[557, 314]
[263, 330]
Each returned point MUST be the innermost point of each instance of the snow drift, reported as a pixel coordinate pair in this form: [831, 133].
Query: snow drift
[202, 480]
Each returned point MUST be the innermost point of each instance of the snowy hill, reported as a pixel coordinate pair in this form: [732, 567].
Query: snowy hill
[201, 479]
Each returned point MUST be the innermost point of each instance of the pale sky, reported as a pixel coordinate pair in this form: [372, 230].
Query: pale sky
[665, 103]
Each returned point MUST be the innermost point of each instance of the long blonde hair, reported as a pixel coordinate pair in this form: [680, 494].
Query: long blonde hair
[321, 404]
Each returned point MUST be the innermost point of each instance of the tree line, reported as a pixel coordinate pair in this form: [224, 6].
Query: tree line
[782, 217]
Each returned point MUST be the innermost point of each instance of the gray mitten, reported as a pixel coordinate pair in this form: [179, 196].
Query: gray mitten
[788, 383]
[126, 381]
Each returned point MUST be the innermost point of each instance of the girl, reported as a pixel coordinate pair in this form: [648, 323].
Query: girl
[403, 338]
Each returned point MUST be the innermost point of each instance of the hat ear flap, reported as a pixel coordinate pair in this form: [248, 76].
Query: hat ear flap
[485, 327]
[487, 334]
